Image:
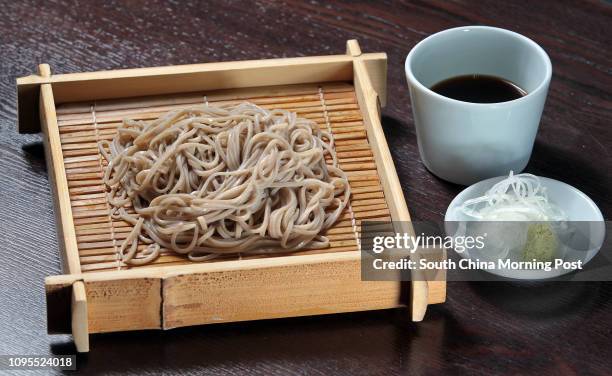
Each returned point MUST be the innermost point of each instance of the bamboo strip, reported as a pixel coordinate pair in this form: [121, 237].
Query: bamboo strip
[343, 106]
[95, 168]
[92, 147]
[297, 91]
[105, 240]
[296, 104]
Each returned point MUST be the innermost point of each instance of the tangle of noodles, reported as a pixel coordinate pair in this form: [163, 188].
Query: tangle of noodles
[206, 181]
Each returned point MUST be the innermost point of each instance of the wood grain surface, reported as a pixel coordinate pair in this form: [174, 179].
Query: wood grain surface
[501, 328]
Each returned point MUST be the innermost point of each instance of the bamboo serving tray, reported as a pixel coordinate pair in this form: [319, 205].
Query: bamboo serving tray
[98, 293]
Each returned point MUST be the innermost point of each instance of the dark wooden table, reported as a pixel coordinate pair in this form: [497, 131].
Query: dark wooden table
[484, 328]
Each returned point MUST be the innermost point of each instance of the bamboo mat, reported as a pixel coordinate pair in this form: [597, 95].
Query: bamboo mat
[82, 125]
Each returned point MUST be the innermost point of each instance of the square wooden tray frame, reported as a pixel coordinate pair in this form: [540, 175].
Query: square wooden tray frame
[138, 299]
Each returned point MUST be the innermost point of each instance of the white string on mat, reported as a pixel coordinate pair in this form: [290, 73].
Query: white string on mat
[108, 208]
[333, 145]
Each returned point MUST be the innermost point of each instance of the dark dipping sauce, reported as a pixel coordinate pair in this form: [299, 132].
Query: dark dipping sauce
[478, 88]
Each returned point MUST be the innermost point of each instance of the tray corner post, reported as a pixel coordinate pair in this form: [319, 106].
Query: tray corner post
[79, 323]
[28, 98]
[67, 310]
[44, 70]
[352, 48]
[376, 67]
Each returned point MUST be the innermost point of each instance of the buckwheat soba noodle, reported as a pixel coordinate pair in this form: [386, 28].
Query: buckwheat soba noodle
[207, 181]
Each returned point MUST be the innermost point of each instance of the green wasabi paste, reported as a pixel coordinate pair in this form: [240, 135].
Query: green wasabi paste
[541, 243]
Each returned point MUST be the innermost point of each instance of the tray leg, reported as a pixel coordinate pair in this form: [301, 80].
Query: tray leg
[80, 331]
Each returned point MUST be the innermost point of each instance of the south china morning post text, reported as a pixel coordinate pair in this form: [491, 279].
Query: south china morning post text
[393, 251]
[469, 264]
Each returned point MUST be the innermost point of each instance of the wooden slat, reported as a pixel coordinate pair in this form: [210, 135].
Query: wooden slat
[57, 177]
[184, 79]
[161, 297]
[369, 101]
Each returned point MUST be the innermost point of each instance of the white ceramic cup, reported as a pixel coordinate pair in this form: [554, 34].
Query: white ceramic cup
[465, 142]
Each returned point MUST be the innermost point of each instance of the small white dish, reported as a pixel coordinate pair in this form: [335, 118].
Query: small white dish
[576, 205]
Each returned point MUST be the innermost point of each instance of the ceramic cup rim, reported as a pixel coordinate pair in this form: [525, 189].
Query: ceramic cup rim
[536, 47]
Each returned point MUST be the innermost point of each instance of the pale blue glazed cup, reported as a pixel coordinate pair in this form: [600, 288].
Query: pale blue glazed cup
[465, 142]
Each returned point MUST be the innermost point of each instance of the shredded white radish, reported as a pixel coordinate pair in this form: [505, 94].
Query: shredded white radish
[517, 198]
